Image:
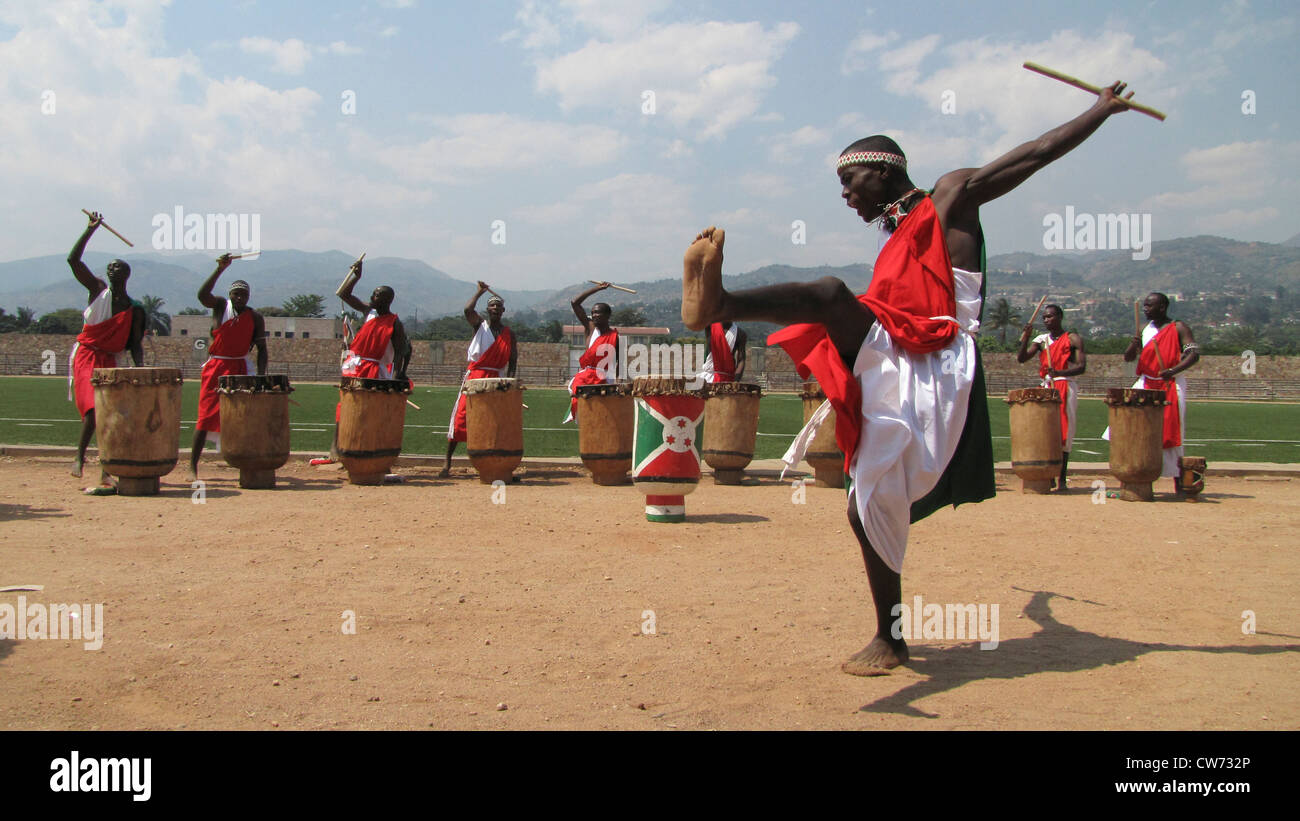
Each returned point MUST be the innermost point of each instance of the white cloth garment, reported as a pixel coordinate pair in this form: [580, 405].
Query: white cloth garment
[1171, 455]
[99, 310]
[352, 360]
[913, 412]
[483, 339]
[1072, 400]
[706, 370]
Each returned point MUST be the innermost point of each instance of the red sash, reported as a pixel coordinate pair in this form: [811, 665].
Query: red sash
[1149, 365]
[724, 361]
[97, 347]
[589, 372]
[497, 358]
[911, 282]
[1057, 357]
[371, 342]
[233, 338]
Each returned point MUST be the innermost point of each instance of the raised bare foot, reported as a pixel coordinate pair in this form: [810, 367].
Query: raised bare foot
[876, 659]
[77, 465]
[702, 279]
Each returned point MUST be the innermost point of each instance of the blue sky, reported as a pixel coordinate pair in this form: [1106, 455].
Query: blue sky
[534, 113]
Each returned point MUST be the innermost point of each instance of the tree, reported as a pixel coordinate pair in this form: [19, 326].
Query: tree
[62, 321]
[154, 318]
[629, 316]
[192, 312]
[304, 305]
[1002, 317]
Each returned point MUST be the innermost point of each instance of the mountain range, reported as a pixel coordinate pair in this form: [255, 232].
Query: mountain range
[1203, 263]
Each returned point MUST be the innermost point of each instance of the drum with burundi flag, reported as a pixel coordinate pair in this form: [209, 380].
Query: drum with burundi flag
[665, 453]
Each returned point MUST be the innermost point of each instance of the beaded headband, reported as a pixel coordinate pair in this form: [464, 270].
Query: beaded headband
[864, 157]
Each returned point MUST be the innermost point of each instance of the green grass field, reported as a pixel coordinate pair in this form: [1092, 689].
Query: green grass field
[35, 411]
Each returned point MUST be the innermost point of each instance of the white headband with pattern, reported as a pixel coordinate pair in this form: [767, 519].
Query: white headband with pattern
[864, 157]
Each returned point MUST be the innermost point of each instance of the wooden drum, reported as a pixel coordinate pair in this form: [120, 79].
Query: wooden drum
[137, 425]
[731, 409]
[606, 416]
[665, 453]
[371, 415]
[823, 454]
[255, 426]
[1136, 429]
[494, 423]
[1191, 475]
[1035, 437]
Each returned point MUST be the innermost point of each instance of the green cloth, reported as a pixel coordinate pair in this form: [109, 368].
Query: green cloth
[969, 476]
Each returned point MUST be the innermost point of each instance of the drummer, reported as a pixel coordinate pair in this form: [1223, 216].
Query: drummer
[1060, 358]
[599, 363]
[380, 349]
[492, 354]
[236, 329]
[113, 323]
[726, 359]
[1163, 351]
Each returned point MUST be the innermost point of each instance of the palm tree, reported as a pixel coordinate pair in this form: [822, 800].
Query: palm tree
[1002, 317]
[154, 318]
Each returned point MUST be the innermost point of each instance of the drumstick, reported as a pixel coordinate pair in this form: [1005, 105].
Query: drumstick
[615, 287]
[1036, 310]
[412, 404]
[246, 254]
[339, 290]
[1137, 319]
[1077, 83]
[110, 228]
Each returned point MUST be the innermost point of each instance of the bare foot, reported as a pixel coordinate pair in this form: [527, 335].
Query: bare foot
[77, 465]
[876, 659]
[702, 279]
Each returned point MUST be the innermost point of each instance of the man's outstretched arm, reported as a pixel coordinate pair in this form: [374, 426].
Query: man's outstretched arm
[977, 186]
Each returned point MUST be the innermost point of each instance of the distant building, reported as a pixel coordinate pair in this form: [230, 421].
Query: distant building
[277, 327]
[629, 335]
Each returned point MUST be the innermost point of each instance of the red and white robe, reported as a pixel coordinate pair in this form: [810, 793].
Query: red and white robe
[370, 356]
[101, 344]
[597, 365]
[720, 364]
[489, 357]
[1055, 354]
[1165, 339]
[227, 355]
[901, 412]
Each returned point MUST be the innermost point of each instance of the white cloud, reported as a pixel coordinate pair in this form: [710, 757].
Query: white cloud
[389, 31]
[903, 64]
[795, 146]
[477, 144]
[1007, 104]
[287, 57]
[339, 47]
[707, 77]
[677, 149]
[1233, 172]
[856, 56]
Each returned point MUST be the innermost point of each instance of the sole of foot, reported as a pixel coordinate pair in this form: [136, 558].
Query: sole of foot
[702, 279]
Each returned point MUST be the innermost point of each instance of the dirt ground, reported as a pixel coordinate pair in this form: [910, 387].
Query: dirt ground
[530, 610]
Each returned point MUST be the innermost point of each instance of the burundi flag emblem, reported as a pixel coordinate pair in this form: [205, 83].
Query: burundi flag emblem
[667, 438]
